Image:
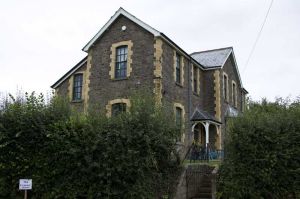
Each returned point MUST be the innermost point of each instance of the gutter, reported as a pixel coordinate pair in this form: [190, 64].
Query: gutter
[189, 96]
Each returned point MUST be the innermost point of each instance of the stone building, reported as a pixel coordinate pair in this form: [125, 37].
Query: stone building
[127, 55]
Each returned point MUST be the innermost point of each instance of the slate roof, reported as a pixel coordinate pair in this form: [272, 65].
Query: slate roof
[212, 58]
[231, 111]
[200, 115]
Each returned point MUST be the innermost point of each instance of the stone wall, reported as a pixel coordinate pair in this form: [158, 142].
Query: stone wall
[229, 69]
[102, 87]
[208, 92]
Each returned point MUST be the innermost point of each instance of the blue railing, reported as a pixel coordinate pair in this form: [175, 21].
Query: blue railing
[204, 153]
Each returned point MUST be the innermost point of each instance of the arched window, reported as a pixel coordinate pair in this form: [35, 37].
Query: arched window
[118, 108]
[178, 117]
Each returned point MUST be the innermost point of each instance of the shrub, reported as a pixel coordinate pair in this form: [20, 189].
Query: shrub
[71, 155]
[262, 152]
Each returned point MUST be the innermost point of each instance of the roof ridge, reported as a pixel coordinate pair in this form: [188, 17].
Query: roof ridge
[217, 49]
[121, 11]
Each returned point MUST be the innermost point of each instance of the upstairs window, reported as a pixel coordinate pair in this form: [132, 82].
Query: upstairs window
[225, 87]
[118, 108]
[121, 62]
[77, 87]
[234, 96]
[178, 69]
[243, 102]
[195, 82]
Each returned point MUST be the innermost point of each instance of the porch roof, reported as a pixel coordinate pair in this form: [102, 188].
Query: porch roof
[200, 115]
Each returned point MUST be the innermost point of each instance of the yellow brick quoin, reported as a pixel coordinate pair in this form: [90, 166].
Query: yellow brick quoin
[158, 51]
[157, 90]
[87, 75]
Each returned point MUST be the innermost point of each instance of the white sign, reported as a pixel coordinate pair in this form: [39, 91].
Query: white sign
[25, 184]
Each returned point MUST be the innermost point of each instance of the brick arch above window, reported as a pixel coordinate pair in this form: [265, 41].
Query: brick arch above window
[113, 58]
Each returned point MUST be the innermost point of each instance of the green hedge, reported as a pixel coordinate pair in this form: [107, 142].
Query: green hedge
[70, 155]
[263, 152]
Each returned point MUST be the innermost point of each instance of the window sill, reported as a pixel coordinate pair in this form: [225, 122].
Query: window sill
[178, 84]
[77, 101]
[120, 79]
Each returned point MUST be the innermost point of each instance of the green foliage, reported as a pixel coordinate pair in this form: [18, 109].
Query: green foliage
[262, 152]
[71, 155]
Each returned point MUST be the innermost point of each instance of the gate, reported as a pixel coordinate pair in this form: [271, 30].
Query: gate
[198, 181]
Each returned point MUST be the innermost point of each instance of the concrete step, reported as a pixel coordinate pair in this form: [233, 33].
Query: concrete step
[201, 198]
[203, 195]
[205, 184]
[204, 190]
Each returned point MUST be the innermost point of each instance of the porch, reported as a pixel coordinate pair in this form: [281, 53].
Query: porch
[206, 132]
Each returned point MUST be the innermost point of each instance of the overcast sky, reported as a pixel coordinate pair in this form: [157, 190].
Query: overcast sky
[41, 40]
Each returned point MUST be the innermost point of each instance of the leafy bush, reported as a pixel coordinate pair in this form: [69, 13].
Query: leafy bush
[71, 155]
[262, 152]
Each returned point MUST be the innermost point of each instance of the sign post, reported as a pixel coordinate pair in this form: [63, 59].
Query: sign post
[25, 184]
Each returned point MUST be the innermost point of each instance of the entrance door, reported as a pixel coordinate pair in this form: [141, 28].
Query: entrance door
[202, 136]
[199, 134]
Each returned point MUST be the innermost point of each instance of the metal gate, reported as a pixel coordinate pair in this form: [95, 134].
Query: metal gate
[198, 181]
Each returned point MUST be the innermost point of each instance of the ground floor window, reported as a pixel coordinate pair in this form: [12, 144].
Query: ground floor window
[118, 108]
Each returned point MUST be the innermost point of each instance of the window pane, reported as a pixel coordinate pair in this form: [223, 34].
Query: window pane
[122, 58]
